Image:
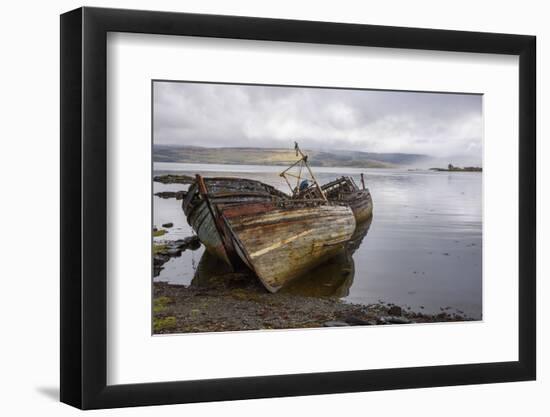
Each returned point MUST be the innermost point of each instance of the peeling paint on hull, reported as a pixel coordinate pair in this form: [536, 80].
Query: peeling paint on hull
[360, 203]
[284, 243]
[202, 210]
[344, 190]
[203, 224]
[275, 236]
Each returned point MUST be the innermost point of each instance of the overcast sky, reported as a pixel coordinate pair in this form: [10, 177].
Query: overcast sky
[219, 115]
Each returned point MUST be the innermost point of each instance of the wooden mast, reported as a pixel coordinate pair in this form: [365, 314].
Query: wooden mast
[303, 162]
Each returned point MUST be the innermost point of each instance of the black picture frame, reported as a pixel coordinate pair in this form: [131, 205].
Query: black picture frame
[84, 207]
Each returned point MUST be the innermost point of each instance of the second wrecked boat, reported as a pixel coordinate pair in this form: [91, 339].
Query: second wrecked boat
[345, 190]
[248, 222]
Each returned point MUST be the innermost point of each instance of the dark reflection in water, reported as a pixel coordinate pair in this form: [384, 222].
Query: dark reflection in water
[334, 277]
[423, 248]
[209, 269]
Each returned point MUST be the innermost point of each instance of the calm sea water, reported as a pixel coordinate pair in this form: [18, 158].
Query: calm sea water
[423, 248]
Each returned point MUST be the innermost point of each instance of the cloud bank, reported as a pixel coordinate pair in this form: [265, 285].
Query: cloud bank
[222, 115]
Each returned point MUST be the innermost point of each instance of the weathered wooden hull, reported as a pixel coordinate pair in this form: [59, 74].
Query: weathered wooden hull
[202, 222]
[282, 243]
[203, 210]
[360, 203]
[276, 237]
[345, 191]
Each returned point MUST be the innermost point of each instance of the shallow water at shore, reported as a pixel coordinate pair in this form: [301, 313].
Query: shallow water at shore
[423, 249]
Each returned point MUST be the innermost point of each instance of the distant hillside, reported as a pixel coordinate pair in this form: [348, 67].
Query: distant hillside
[265, 156]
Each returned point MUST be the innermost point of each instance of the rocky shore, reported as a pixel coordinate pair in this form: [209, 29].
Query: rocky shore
[164, 250]
[178, 195]
[174, 179]
[236, 301]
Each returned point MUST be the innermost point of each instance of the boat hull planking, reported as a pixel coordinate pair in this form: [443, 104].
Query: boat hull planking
[281, 244]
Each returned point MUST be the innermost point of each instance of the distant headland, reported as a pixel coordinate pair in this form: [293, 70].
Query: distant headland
[452, 168]
[283, 157]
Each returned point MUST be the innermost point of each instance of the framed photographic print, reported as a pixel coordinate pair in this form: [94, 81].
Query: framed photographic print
[258, 207]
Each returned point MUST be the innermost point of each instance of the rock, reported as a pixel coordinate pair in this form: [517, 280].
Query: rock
[160, 259]
[178, 195]
[168, 225]
[174, 179]
[191, 242]
[395, 311]
[398, 320]
[194, 245]
[158, 263]
[356, 321]
[335, 323]
[167, 250]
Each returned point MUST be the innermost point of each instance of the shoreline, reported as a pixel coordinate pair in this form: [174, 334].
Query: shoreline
[236, 302]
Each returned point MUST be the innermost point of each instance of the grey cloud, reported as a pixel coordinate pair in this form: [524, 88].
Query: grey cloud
[436, 124]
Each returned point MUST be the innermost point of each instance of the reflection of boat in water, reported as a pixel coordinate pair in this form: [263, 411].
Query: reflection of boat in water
[343, 190]
[359, 234]
[332, 278]
[209, 270]
[248, 222]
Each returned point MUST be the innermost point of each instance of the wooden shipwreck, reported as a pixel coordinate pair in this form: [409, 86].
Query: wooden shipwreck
[247, 222]
[346, 191]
